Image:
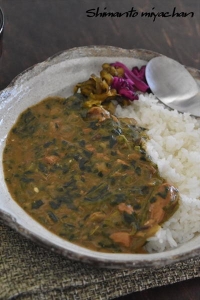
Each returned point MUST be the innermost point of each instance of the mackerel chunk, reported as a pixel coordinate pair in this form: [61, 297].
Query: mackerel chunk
[89, 178]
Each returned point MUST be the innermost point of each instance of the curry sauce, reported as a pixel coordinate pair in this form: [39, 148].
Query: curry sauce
[85, 175]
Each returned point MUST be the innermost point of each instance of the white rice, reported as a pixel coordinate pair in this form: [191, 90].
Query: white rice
[174, 146]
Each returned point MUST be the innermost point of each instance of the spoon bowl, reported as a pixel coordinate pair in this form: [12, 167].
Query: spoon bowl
[172, 83]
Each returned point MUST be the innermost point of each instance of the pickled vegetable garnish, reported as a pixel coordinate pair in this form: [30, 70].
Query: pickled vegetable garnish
[116, 81]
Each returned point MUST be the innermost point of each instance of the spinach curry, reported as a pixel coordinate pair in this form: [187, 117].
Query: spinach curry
[85, 175]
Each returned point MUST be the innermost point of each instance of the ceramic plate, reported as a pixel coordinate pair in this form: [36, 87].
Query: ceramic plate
[57, 76]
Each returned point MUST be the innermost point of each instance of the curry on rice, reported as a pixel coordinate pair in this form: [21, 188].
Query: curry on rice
[85, 175]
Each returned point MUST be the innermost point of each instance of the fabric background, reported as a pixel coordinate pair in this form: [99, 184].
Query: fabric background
[28, 271]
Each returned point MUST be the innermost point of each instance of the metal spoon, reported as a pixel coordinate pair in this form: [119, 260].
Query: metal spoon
[171, 83]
